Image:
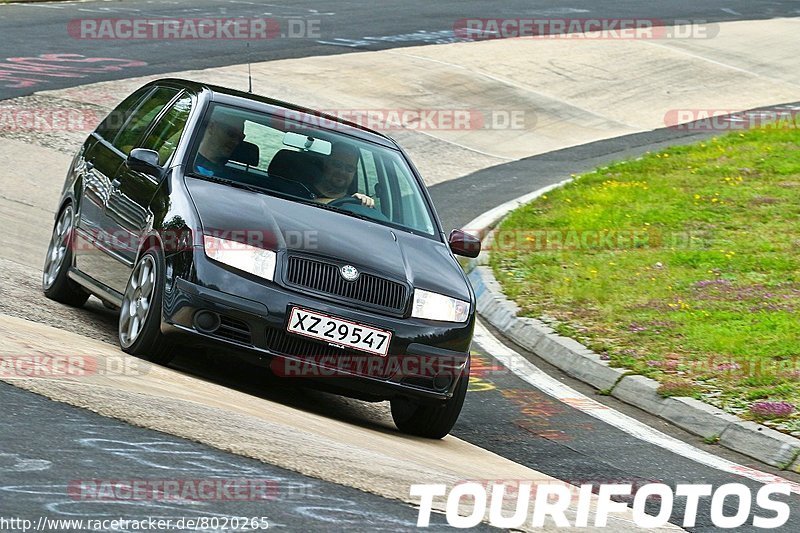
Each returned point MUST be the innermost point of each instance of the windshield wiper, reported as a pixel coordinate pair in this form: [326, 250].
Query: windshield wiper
[338, 210]
[245, 186]
[225, 181]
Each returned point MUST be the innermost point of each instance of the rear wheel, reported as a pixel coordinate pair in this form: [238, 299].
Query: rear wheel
[431, 420]
[55, 283]
[139, 329]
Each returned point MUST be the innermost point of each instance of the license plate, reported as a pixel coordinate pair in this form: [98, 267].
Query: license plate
[338, 332]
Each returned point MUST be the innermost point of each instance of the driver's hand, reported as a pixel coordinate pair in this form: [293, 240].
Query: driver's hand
[365, 200]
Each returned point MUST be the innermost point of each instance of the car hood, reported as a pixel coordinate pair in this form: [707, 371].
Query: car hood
[283, 225]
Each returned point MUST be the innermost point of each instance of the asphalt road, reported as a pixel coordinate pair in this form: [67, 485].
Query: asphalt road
[41, 31]
[52, 444]
[52, 461]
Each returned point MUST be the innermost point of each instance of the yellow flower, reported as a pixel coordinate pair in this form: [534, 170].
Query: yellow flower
[696, 196]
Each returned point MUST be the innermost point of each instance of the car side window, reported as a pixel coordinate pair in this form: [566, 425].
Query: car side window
[269, 141]
[412, 209]
[368, 175]
[167, 132]
[141, 119]
[111, 125]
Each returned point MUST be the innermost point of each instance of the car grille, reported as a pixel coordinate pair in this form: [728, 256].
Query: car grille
[234, 330]
[280, 342]
[325, 278]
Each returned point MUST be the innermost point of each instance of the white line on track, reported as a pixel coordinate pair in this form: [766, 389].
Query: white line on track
[528, 372]
[730, 11]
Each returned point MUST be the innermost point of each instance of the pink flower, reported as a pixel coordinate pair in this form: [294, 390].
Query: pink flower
[771, 409]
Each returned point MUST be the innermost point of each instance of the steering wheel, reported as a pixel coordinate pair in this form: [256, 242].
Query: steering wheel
[344, 200]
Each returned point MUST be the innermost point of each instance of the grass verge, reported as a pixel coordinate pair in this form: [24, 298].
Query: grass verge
[681, 266]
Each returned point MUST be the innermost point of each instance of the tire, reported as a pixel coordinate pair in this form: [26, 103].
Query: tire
[55, 283]
[431, 420]
[139, 330]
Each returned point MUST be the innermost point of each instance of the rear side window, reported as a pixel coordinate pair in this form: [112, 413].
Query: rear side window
[111, 125]
[141, 119]
[167, 132]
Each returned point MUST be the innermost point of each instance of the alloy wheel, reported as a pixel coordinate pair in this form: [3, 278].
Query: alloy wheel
[137, 301]
[57, 251]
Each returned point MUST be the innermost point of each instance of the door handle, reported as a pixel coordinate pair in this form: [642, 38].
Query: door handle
[89, 166]
[115, 185]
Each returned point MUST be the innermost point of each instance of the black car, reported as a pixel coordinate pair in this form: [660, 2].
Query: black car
[216, 218]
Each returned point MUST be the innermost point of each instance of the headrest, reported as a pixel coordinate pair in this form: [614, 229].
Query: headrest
[297, 166]
[246, 153]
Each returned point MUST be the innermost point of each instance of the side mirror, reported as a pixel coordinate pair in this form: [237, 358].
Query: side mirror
[462, 243]
[144, 161]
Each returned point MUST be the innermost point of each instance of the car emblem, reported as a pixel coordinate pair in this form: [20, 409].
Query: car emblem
[349, 272]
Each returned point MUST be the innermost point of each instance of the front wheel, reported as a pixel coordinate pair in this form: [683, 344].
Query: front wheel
[139, 329]
[431, 420]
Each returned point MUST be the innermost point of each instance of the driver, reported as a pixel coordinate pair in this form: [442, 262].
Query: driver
[338, 172]
[223, 135]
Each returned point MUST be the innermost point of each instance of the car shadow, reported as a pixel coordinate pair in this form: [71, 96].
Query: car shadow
[225, 369]
[234, 373]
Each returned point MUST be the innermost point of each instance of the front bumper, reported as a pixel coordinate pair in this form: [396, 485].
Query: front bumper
[425, 358]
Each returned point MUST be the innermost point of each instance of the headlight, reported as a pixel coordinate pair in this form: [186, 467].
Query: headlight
[435, 306]
[256, 261]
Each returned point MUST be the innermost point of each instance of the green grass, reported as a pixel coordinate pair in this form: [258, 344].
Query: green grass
[682, 266]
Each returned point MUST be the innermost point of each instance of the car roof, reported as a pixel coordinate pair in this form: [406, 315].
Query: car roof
[226, 95]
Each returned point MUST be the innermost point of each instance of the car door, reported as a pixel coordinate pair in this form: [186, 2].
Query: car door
[98, 165]
[112, 265]
[128, 209]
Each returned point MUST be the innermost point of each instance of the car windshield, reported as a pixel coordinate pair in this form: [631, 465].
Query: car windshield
[297, 160]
